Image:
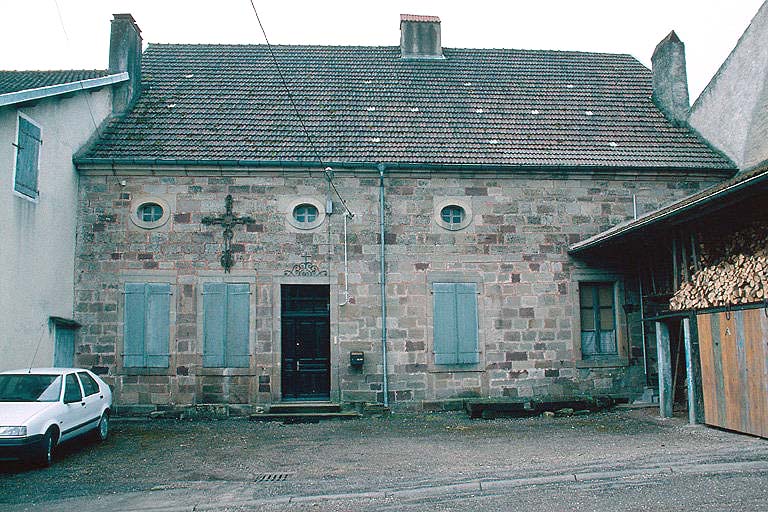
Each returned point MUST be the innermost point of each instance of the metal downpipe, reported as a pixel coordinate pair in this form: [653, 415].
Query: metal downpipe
[385, 382]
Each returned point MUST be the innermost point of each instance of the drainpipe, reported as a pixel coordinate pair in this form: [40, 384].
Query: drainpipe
[385, 383]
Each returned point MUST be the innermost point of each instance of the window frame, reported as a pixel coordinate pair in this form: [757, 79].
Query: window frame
[458, 278]
[170, 320]
[620, 358]
[141, 201]
[225, 352]
[448, 202]
[17, 146]
[597, 308]
[300, 201]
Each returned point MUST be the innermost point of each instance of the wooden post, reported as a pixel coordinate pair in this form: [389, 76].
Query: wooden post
[665, 370]
[693, 371]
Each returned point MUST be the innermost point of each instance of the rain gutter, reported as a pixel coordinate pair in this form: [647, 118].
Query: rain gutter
[48, 91]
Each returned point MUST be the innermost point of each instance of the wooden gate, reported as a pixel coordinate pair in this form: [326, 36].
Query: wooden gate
[734, 369]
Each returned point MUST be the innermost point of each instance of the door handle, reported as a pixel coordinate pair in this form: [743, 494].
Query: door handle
[298, 365]
[82, 404]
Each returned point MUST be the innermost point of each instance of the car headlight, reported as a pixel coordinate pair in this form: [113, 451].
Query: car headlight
[13, 431]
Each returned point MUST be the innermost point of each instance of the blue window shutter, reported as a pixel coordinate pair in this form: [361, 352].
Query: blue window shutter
[238, 325]
[466, 323]
[157, 321]
[214, 324]
[28, 153]
[133, 332]
[445, 331]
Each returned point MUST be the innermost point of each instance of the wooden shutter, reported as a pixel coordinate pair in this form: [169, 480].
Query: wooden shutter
[466, 323]
[158, 324]
[134, 327]
[455, 323]
[214, 324]
[445, 334]
[238, 325]
[27, 156]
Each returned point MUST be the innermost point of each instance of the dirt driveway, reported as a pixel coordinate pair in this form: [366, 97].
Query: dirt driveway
[268, 460]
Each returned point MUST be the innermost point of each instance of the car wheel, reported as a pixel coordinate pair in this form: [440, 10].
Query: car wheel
[102, 431]
[44, 455]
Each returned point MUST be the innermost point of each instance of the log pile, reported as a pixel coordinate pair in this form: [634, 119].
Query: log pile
[731, 270]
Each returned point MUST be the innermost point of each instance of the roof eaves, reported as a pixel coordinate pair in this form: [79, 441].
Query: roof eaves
[739, 182]
[38, 93]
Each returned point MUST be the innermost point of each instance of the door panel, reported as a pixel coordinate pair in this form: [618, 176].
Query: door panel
[305, 343]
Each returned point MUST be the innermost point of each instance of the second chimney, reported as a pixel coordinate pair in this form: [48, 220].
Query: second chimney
[420, 37]
[125, 55]
[670, 80]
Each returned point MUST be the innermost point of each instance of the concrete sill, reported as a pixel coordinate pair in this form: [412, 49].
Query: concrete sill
[617, 362]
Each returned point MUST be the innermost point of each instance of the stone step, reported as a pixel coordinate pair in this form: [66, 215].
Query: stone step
[490, 408]
[308, 417]
[304, 408]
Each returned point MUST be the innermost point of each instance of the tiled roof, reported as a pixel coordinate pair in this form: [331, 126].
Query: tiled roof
[14, 81]
[746, 181]
[367, 105]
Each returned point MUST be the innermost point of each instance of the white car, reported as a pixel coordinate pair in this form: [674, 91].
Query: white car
[43, 407]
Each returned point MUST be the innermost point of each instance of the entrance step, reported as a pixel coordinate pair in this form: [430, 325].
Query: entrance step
[304, 408]
[307, 417]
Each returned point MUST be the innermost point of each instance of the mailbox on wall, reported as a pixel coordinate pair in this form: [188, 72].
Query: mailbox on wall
[356, 359]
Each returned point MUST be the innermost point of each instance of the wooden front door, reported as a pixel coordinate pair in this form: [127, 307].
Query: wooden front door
[306, 347]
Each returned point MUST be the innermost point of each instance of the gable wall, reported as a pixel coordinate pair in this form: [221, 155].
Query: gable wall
[514, 249]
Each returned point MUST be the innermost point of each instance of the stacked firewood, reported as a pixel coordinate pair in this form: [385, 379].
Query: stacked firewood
[731, 270]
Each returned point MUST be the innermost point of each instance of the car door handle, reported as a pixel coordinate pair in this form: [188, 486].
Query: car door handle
[82, 404]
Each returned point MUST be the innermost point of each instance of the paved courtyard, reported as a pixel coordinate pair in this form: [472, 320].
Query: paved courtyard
[401, 462]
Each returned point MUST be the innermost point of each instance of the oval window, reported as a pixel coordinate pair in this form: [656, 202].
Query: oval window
[305, 213]
[150, 212]
[452, 215]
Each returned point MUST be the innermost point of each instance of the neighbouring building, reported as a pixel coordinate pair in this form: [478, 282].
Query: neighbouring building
[45, 117]
[373, 224]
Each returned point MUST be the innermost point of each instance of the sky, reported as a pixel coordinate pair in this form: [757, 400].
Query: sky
[74, 34]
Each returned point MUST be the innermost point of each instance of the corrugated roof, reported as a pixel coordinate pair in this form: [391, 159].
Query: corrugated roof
[516, 108]
[15, 81]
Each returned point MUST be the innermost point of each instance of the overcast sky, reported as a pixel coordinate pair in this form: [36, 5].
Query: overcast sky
[74, 34]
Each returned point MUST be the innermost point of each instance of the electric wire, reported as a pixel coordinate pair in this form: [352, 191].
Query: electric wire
[310, 141]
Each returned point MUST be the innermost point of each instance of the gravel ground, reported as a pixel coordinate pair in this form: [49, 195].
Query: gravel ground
[396, 452]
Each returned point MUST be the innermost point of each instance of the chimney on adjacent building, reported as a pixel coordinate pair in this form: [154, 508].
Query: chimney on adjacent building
[420, 37]
[670, 80]
[125, 55]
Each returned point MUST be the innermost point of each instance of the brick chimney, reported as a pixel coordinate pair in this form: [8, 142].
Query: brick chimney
[670, 80]
[420, 37]
[125, 55]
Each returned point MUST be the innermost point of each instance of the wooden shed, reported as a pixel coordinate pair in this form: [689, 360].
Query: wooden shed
[702, 266]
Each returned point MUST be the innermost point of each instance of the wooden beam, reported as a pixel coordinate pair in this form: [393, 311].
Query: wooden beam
[693, 371]
[665, 370]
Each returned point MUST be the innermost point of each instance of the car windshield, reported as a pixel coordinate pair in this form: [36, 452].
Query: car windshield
[30, 388]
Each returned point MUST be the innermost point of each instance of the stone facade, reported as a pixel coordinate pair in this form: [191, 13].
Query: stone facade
[514, 249]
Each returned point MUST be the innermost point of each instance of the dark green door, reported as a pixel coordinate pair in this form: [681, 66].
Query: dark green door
[306, 362]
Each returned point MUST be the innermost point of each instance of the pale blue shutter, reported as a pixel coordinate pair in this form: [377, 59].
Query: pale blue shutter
[214, 324]
[466, 323]
[445, 333]
[238, 325]
[133, 331]
[158, 328]
[27, 155]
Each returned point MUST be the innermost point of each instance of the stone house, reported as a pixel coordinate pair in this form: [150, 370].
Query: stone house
[374, 224]
[45, 117]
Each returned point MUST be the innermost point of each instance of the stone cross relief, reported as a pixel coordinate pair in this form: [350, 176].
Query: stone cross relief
[228, 221]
